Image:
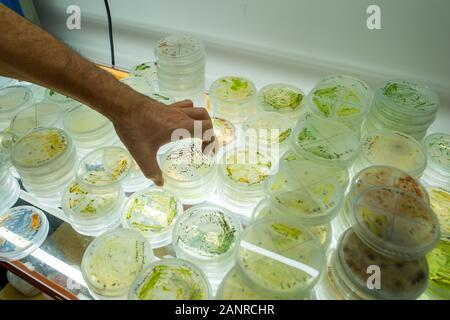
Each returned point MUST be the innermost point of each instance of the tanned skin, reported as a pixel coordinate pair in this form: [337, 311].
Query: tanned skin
[30, 54]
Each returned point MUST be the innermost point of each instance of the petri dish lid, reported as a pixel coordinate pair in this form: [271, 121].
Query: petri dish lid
[170, 279]
[395, 222]
[179, 48]
[437, 147]
[281, 98]
[206, 232]
[147, 70]
[22, 230]
[268, 128]
[340, 97]
[308, 192]
[83, 120]
[326, 142]
[395, 149]
[57, 97]
[280, 256]
[104, 167]
[113, 260]
[13, 98]
[139, 84]
[40, 148]
[232, 89]
[184, 160]
[152, 211]
[399, 279]
[224, 130]
[39, 115]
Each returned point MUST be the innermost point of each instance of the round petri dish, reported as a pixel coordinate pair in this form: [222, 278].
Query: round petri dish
[179, 49]
[326, 142]
[224, 131]
[281, 98]
[112, 261]
[391, 148]
[439, 273]
[40, 115]
[170, 279]
[84, 123]
[207, 235]
[153, 212]
[139, 84]
[146, 70]
[280, 257]
[57, 97]
[12, 100]
[24, 229]
[305, 191]
[7, 140]
[440, 203]
[399, 279]
[437, 147]
[395, 222]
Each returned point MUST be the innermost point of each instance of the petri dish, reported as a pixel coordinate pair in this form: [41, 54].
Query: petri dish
[325, 142]
[280, 257]
[39, 115]
[12, 100]
[112, 261]
[170, 279]
[439, 273]
[207, 235]
[392, 148]
[282, 98]
[179, 49]
[351, 261]
[395, 222]
[139, 84]
[153, 212]
[437, 147]
[440, 203]
[23, 230]
[146, 70]
[57, 97]
[305, 191]
[224, 131]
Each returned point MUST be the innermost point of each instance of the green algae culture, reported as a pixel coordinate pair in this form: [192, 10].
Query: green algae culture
[439, 270]
[282, 98]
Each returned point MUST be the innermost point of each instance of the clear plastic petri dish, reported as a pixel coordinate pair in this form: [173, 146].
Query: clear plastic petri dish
[282, 98]
[349, 275]
[9, 188]
[326, 142]
[146, 70]
[179, 49]
[233, 98]
[153, 212]
[139, 84]
[280, 257]
[305, 191]
[440, 203]
[242, 174]
[12, 100]
[437, 172]
[24, 229]
[170, 279]
[207, 235]
[439, 273]
[225, 133]
[40, 115]
[187, 171]
[395, 223]
[112, 261]
[391, 148]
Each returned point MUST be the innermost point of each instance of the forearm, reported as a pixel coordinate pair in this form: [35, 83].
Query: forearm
[31, 54]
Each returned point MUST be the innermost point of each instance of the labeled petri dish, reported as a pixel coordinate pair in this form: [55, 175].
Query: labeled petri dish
[351, 261]
[280, 257]
[146, 70]
[391, 148]
[24, 229]
[170, 279]
[112, 261]
[39, 115]
[395, 223]
[153, 212]
[326, 142]
[439, 273]
[282, 98]
[207, 235]
[305, 191]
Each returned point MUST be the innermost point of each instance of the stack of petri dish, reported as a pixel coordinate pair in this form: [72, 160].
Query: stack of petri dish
[340, 98]
[112, 261]
[153, 212]
[281, 258]
[93, 202]
[241, 179]
[23, 230]
[12, 100]
[170, 279]
[233, 98]
[9, 187]
[207, 235]
[403, 106]
[89, 129]
[40, 115]
[391, 148]
[392, 231]
[181, 61]
[268, 131]
[45, 160]
[187, 171]
[282, 98]
[147, 70]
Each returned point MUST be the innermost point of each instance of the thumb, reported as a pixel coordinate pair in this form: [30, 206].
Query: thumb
[146, 159]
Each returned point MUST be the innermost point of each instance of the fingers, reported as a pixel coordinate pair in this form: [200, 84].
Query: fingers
[183, 104]
[197, 113]
[146, 159]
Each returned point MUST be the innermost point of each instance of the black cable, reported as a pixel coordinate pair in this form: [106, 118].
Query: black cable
[111, 39]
